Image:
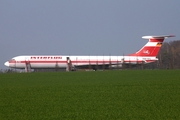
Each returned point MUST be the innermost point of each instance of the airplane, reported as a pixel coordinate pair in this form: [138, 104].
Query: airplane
[147, 54]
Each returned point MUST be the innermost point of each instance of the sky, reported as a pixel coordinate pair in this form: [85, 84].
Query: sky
[83, 27]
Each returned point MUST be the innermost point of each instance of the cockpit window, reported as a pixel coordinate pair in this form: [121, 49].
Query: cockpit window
[12, 61]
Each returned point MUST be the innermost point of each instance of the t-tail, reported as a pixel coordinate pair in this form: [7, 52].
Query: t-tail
[151, 49]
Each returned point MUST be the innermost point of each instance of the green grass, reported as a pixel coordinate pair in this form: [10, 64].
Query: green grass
[123, 94]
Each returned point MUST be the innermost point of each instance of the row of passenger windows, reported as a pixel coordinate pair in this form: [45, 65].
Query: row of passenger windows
[46, 57]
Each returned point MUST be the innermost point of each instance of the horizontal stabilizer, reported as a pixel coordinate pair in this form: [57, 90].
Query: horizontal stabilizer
[158, 37]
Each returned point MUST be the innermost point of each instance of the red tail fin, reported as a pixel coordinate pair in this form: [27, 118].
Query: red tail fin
[152, 47]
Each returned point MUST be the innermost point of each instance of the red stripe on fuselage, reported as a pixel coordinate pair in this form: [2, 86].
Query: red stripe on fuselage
[78, 62]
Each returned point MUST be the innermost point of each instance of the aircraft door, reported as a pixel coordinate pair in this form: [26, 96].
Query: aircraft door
[27, 65]
[69, 64]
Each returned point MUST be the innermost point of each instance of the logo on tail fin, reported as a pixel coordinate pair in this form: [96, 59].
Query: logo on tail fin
[146, 52]
[159, 44]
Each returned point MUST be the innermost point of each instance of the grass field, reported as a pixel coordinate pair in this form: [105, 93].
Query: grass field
[123, 94]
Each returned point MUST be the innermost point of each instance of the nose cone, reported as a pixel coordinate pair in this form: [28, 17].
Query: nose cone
[6, 64]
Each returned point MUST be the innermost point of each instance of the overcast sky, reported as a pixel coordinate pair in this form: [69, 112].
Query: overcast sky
[83, 27]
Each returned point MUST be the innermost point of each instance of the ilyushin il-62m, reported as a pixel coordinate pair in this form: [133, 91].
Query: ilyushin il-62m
[147, 54]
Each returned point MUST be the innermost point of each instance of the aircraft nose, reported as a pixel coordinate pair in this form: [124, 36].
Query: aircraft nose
[6, 64]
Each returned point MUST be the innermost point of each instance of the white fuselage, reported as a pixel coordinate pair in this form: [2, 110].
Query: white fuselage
[50, 61]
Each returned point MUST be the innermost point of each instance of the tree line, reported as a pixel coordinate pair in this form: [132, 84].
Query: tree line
[169, 56]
